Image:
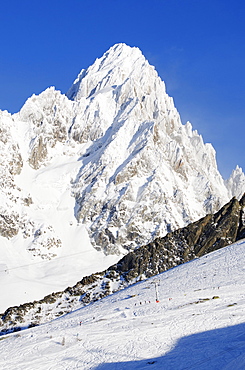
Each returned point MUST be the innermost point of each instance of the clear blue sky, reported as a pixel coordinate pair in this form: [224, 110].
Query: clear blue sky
[197, 47]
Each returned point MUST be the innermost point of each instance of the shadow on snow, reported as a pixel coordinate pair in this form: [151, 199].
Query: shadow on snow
[210, 350]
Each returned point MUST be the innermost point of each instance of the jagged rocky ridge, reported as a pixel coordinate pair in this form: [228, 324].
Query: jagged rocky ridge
[212, 232]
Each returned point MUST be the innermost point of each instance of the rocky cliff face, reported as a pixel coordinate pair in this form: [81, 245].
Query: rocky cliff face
[10, 166]
[210, 233]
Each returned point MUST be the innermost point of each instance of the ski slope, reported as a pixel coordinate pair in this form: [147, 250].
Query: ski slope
[198, 323]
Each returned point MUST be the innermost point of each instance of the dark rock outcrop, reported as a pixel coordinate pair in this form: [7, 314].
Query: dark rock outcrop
[241, 228]
[9, 225]
[210, 233]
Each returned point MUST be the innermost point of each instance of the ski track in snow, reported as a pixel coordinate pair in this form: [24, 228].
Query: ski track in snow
[198, 324]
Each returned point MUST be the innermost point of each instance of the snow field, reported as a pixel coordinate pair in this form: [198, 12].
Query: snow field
[198, 324]
[30, 278]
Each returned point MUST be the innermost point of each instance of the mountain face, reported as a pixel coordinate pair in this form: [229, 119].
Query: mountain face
[108, 167]
[208, 234]
[157, 174]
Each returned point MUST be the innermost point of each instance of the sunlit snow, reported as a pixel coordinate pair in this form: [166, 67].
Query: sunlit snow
[198, 323]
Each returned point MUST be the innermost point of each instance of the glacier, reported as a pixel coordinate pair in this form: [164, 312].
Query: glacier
[90, 175]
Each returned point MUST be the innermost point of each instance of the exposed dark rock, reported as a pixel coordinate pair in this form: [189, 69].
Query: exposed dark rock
[9, 225]
[38, 153]
[241, 228]
[28, 201]
[16, 164]
[210, 233]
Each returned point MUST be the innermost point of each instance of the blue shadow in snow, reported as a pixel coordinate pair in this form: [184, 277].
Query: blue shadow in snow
[210, 350]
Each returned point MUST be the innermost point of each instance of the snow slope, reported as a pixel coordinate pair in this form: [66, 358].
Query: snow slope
[88, 176]
[198, 324]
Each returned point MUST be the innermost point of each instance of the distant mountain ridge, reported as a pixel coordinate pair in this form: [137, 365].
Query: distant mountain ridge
[108, 165]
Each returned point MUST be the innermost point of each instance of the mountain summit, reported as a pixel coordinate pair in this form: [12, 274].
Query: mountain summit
[147, 173]
[99, 172]
[118, 64]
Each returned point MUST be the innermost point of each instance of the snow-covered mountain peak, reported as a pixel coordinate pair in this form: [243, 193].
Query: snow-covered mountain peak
[119, 55]
[119, 64]
[236, 182]
[140, 148]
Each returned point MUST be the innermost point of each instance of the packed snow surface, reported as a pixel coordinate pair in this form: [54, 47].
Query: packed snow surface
[198, 323]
